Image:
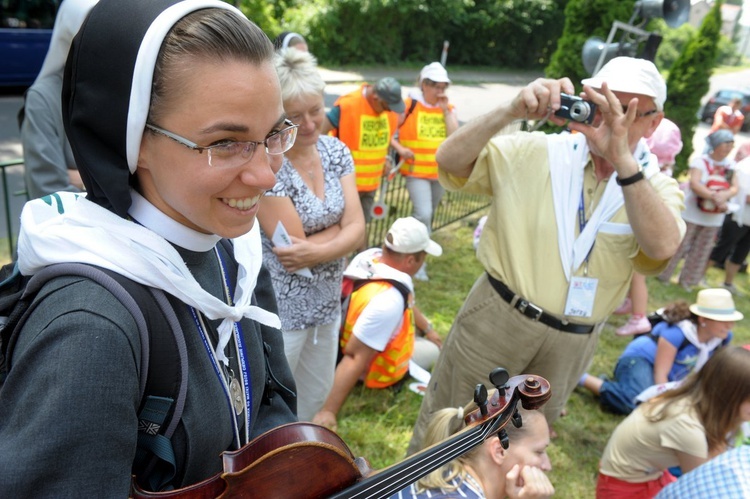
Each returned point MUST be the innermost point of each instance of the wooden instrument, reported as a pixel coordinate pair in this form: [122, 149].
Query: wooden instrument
[303, 460]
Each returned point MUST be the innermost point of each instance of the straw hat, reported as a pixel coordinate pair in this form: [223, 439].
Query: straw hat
[716, 304]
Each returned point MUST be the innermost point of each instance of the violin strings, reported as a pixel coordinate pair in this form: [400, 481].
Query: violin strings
[408, 475]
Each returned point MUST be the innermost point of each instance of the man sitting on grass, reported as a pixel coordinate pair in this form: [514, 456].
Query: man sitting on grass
[377, 337]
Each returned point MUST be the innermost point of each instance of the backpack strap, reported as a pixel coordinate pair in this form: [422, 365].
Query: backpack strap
[163, 382]
[655, 338]
[400, 286]
[409, 111]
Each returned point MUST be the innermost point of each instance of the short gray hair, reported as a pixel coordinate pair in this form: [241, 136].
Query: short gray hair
[298, 74]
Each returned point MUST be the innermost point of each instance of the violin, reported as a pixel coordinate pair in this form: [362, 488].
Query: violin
[307, 461]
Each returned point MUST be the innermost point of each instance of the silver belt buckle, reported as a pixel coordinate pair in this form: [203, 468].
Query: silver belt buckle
[524, 304]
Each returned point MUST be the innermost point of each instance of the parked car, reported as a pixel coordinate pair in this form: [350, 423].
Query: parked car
[25, 32]
[722, 98]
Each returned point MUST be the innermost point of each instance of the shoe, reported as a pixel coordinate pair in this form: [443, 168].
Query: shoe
[634, 326]
[625, 308]
[732, 289]
[421, 274]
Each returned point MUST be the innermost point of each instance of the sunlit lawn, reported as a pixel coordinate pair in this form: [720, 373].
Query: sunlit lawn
[377, 424]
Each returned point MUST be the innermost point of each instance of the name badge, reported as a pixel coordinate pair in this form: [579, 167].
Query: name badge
[581, 294]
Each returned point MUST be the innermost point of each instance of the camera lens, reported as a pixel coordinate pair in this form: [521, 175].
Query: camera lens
[579, 111]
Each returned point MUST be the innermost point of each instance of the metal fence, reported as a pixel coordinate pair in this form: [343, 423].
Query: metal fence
[453, 206]
[11, 234]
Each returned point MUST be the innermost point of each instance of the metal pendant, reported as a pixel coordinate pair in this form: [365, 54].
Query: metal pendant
[238, 400]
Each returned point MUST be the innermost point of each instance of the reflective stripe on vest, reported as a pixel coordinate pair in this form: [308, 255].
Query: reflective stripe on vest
[392, 364]
[368, 136]
[422, 132]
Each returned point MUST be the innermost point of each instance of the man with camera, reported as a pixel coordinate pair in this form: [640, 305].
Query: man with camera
[572, 216]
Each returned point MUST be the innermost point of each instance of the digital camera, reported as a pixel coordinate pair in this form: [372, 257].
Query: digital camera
[576, 109]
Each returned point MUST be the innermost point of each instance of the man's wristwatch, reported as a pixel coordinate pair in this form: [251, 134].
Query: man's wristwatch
[622, 182]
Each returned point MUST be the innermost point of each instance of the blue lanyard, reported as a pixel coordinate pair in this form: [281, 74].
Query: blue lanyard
[241, 360]
[581, 215]
[582, 225]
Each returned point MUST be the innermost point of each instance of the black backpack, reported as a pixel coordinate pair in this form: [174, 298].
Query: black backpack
[163, 379]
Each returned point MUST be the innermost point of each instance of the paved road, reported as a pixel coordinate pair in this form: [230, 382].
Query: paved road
[473, 92]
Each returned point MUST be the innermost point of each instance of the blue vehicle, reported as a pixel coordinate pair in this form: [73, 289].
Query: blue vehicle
[25, 31]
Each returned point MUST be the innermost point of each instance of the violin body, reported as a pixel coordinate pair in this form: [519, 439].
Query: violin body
[307, 461]
[292, 461]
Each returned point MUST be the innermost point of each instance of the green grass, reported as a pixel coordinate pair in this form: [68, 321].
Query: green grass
[377, 424]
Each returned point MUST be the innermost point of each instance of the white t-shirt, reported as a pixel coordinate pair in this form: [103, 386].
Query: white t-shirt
[381, 319]
[692, 213]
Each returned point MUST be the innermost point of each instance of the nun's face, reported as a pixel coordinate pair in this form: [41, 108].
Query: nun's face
[216, 102]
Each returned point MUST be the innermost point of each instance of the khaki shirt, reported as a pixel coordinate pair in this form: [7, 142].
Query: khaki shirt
[519, 242]
[640, 450]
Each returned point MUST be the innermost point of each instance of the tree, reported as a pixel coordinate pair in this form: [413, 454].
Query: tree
[583, 19]
[688, 81]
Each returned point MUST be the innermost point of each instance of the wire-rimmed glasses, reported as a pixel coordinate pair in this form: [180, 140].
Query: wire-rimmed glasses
[232, 153]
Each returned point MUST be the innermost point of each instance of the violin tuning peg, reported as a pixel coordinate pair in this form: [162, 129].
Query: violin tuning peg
[504, 440]
[517, 419]
[480, 398]
[499, 378]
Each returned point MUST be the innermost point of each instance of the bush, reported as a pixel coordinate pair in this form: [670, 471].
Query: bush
[483, 32]
[674, 42]
[688, 82]
[584, 19]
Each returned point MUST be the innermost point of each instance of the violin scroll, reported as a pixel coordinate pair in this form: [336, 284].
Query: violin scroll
[531, 390]
[534, 391]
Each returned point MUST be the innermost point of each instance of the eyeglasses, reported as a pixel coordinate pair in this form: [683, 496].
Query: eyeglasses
[434, 84]
[640, 115]
[231, 153]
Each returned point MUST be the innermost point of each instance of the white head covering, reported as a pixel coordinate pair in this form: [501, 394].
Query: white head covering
[70, 16]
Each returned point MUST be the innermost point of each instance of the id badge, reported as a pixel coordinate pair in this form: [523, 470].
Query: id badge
[581, 294]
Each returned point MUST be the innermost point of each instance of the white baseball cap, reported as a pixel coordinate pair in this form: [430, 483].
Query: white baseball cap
[631, 75]
[434, 72]
[409, 235]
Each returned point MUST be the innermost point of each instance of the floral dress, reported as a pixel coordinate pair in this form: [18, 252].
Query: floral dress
[305, 302]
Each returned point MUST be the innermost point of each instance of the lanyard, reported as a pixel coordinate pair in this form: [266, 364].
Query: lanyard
[239, 342]
[582, 225]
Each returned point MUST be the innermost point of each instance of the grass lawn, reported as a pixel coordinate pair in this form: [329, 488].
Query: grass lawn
[377, 424]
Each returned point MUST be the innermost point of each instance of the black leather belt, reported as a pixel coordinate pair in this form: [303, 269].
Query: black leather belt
[535, 313]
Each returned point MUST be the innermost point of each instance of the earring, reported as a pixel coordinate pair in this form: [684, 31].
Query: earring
[703, 324]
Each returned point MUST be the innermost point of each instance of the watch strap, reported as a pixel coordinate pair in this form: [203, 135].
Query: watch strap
[622, 182]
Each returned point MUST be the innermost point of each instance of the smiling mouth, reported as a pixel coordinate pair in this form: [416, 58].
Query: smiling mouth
[241, 203]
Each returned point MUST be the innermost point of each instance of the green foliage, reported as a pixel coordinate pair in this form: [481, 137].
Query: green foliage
[260, 12]
[689, 81]
[673, 43]
[726, 52]
[584, 19]
[481, 32]
[377, 424]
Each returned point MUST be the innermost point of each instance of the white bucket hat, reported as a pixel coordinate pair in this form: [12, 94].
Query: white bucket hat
[633, 76]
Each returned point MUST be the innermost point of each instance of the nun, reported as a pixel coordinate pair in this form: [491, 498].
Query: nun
[174, 115]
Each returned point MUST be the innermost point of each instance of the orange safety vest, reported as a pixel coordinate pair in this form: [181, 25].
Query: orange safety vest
[422, 132]
[368, 136]
[392, 364]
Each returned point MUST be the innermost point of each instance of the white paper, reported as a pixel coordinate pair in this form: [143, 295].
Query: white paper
[282, 240]
[653, 391]
[418, 373]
